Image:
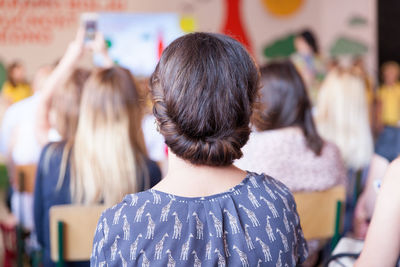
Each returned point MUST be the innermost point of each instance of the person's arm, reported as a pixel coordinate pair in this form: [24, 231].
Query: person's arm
[58, 77]
[99, 46]
[382, 245]
[366, 202]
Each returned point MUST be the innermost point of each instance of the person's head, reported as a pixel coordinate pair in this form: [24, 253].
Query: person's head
[284, 103]
[40, 77]
[306, 43]
[204, 88]
[390, 72]
[108, 155]
[342, 117]
[66, 104]
[16, 73]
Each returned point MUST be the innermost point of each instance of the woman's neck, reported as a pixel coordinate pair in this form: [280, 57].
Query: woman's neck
[189, 180]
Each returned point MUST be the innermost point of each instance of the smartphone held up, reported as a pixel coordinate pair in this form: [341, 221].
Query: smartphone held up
[90, 24]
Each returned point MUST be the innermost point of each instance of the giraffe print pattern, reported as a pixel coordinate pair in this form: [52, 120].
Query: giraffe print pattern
[253, 224]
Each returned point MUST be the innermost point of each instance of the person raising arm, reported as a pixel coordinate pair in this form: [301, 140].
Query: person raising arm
[62, 73]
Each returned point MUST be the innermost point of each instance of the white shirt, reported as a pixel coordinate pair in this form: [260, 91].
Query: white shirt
[26, 149]
[20, 115]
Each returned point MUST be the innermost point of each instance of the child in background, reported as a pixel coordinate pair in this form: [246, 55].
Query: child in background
[388, 143]
[16, 88]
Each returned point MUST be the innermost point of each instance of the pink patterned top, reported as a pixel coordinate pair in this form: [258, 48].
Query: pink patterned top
[283, 154]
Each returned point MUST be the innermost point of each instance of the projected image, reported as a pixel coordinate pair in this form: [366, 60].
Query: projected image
[136, 41]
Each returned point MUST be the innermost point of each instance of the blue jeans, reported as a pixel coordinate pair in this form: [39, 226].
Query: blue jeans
[388, 143]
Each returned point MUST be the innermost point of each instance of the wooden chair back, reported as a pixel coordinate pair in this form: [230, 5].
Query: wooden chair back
[24, 178]
[72, 229]
[320, 212]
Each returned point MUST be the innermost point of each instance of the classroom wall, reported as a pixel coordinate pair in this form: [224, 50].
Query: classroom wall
[38, 33]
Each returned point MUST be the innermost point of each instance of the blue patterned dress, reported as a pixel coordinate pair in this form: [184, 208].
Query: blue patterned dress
[253, 224]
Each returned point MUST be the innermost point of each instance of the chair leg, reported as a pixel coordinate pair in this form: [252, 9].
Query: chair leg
[36, 258]
[60, 239]
[20, 226]
[358, 186]
[336, 235]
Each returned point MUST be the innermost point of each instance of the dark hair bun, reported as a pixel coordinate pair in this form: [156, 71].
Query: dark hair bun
[203, 89]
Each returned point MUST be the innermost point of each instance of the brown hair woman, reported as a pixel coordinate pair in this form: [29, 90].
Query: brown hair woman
[205, 211]
[285, 143]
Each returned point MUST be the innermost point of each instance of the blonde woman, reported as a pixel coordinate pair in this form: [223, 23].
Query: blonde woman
[109, 157]
[342, 118]
[103, 161]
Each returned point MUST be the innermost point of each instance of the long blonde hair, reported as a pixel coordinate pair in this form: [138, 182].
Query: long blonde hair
[108, 153]
[65, 107]
[342, 117]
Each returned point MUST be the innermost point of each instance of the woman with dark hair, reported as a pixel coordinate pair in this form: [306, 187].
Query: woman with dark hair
[308, 63]
[308, 39]
[205, 211]
[286, 144]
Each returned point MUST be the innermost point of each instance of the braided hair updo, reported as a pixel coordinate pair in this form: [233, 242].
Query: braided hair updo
[204, 88]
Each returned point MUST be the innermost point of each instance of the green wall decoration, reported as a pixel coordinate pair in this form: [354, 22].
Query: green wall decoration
[280, 48]
[357, 20]
[3, 75]
[347, 46]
